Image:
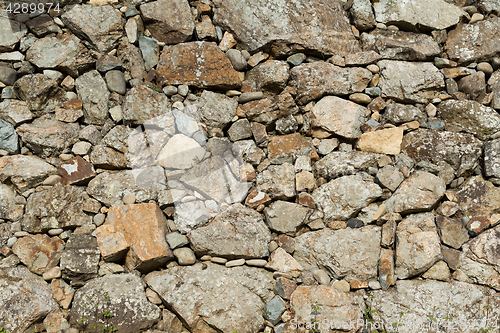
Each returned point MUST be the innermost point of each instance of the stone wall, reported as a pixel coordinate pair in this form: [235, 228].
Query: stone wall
[250, 166]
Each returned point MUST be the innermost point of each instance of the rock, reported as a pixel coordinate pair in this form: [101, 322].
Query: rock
[127, 301]
[214, 70]
[401, 45]
[32, 295]
[338, 164]
[7, 75]
[185, 256]
[39, 253]
[76, 171]
[237, 60]
[168, 21]
[426, 15]
[219, 292]
[345, 253]
[362, 15]
[491, 160]
[180, 152]
[477, 197]
[271, 75]
[413, 259]
[439, 271]
[131, 58]
[94, 94]
[8, 137]
[150, 51]
[216, 110]
[56, 321]
[245, 235]
[283, 262]
[386, 141]
[24, 171]
[108, 158]
[402, 113]
[278, 181]
[80, 257]
[148, 248]
[40, 93]
[285, 287]
[15, 112]
[100, 26]
[268, 110]
[57, 207]
[240, 130]
[287, 148]
[418, 82]
[142, 104]
[116, 82]
[176, 240]
[461, 151]
[386, 271]
[285, 217]
[48, 137]
[250, 96]
[452, 232]
[390, 177]
[9, 210]
[473, 43]
[12, 32]
[473, 85]
[314, 80]
[285, 31]
[53, 273]
[344, 197]
[274, 309]
[336, 115]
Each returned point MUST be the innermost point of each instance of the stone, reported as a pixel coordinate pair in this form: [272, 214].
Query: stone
[412, 259]
[403, 113]
[107, 158]
[116, 82]
[33, 299]
[216, 110]
[235, 263]
[339, 163]
[274, 309]
[285, 217]
[285, 287]
[427, 14]
[473, 43]
[70, 112]
[250, 96]
[286, 32]
[386, 141]
[185, 256]
[127, 301]
[296, 59]
[452, 232]
[180, 152]
[271, 75]
[48, 137]
[418, 193]
[143, 104]
[283, 262]
[386, 274]
[471, 116]
[56, 322]
[148, 248]
[268, 110]
[491, 160]
[39, 253]
[238, 240]
[418, 82]
[100, 26]
[344, 253]
[131, 58]
[314, 80]
[473, 85]
[343, 197]
[401, 45]
[94, 94]
[240, 130]
[205, 29]
[205, 66]
[477, 197]
[80, 257]
[439, 271]
[176, 240]
[40, 93]
[256, 262]
[24, 171]
[342, 285]
[256, 198]
[478, 224]
[12, 32]
[322, 277]
[8, 75]
[362, 15]
[150, 51]
[390, 177]
[8, 137]
[278, 181]
[171, 26]
[15, 112]
[219, 291]
[286, 148]
[8, 208]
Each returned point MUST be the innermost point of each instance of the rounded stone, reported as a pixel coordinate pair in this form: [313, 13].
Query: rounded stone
[183, 90]
[170, 90]
[53, 273]
[485, 67]
[256, 262]
[272, 246]
[129, 199]
[219, 260]
[52, 180]
[322, 277]
[373, 68]
[360, 98]
[237, 59]
[99, 219]
[234, 263]
[55, 232]
[185, 256]
[342, 285]
[476, 17]
[81, 148]
[115, 80]
[11, 241]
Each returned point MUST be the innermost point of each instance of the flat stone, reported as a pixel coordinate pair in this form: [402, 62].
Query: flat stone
[39, 253]
[94, 94]
[80, 258]
[108, 158]
[390, 177]
[181, 152]
[477, 197]
[9, 210]
[286, 148]
[15, 112]
[70, 112]
[268, 110]
[281, 261]
[176, 240]
[185, 256]
[285, 217]
[8, 137]
[339, 163]
[24, 171]
[142, 104]
[131, 58]
[76, 171]
[12, 32]
[278, 181]
[398, 113]
[386, 141]
[216, 110]
[40, 93]
[240, 130]
[452, 231]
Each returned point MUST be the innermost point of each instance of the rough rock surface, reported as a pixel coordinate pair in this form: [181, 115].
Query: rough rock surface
[24, 171]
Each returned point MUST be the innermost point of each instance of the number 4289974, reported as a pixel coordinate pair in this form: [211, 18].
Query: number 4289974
[29, 8]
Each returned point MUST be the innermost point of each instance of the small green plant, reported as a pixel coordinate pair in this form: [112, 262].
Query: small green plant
[314, 322]
[3, 330]
[105, 326]
[156, 89]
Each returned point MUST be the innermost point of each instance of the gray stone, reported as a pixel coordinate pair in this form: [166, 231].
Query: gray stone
[8, 75]
[390, 177]
[245, 235]
[176, 240]
[131, 58]
[274, 309]
[218, 291]
[339, 163]
[116, 82]
[9, 210]
[240, 130]
[285, 217]
[185, 256]
[452, 231]
[237, 60]
[117, 137]
[271, 75]
[296, 59]
[287, 125]
[249, 151]
[12, 32]
[362, 15]
[142, 104]
[8, 137]
[186, 124]
[492, 158]
[127, 301]
[24, 171]
[108, 158]
[474, 85]
[80, 258]
[39, 92]
[190, 215]
[477, 197]
[216, 110]
[402, 113]
[150, 51]
[278, 181]
[94, 94]
[15, 112]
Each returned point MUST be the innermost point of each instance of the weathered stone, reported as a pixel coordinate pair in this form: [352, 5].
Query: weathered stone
[116, 82]
[410, 82]
[185, 256]
[245, 235]
[216, 110]
[401, 45]
[439, 271]
[8, 75]
[80, 257]
[142, 104]
[285, 217]
[8, 137]
[278, 181]
[390, 177]
[41, 93]
[240, 130]
[107, 158]
[131, 58]
[76, 171]
[219, 292]
[277, 26]
[386, 274]
[204, 66]
[338, 164]
[15, 112]
[39, 253]
[271, 75]
[283, 262]
[256, 198]
[452, 231]
[169, 21]
[285, 287]
[11, 31]
[386, 141]
[24, 171]
[70, 112]
[120, 294]
[286, 148]
[8, 208]
[477, 197]
[94, 94]
[62, 293]
[101, 26]
[419, 193]
[418, 247]
[313, 81]
[403, 113]
[269, 110]
[426, 14]
[32, 295]
[339, 116]
[473, 85]
[491, 158]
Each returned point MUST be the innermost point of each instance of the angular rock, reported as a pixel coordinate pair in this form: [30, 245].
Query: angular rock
[339, 163]
[492, 158]
[62, 293]
[8, 138]
[286, 148]
[266, 111]
[24, 171]
[401, 45]
[390, 177]
[216, 110]
[386, 274]
[15, 112]
[107, 158]
[283, 262]
[76, 171]
[248, 150]
[285, 217]
[386, 141]
[181, 152]
[120, 294]
[204, 66]
[471, 116]
[362, 15]
[313, 81]
[12, 32]
[342, 198]
[278, 181]
[169, 21]
[39, 252]
[131, 58]
[218, 291]
[344, 253]
[142, 104]
[80, 258]
[40, 92]
[452, 231]
[9, 210]
[101, 26]
[190, 215]
[32, 295]
[8, 75]
[271, 75]
[112, 243]
[240, 130]
[238, 232]
[419, 246]
[418, 193]
[94, 94]
[477, 197]
[410, 82]
[339, 116]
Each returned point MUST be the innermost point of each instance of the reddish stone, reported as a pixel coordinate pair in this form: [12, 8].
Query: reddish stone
[305, 199]
[285, 287]
[387, 277]
[287, 243]
[39, 252]
[6, 251]
[259, 133]
[268, 110]
[285, 148]
[74, 104]
[478, 224]
[63, 293]
[255, 198]
[76, 171]
[357, 284]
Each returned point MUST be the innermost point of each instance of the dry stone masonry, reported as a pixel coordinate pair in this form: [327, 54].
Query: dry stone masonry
[244, 166]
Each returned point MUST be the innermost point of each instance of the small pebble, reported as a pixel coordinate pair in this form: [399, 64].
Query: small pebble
[476, 17]
[373, 68]
[129, 199]
[360, 98]
[55, 232]
[219, 260]
[237, 262]
[392, 27]
[53, 273]
[52, 180]
[250, 96]
[183, 90]
[99, 219]
[11, 241]
[21, 234]
[256, 262]
[485, 67]
[381, 26]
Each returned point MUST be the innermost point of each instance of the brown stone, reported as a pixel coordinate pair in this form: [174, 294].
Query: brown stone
[386, 268]
[256, 198]
[259, 132]
[39, 252]
[451, 257]
[76, 171]
[144, 228]
[268, 110]
[305, 199]
[478, 224]
[357, 284]
[62, 292]
[285, 287]
[386, 141]
[456, 72]
[287, 243]
[286, 148]
[203, 65]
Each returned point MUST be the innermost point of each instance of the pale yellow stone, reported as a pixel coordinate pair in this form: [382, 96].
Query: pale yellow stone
[386, 141]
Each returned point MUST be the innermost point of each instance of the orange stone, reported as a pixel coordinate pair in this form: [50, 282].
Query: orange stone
[112, 242]
[63, 293]
[256, 198]
[39, 252]
[76, 171]
[305, 199]
[357, 284]
[285, 148]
